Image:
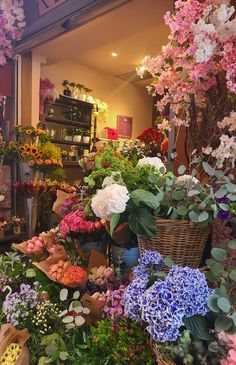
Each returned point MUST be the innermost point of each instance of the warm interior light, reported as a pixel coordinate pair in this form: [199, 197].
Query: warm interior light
[114, 54]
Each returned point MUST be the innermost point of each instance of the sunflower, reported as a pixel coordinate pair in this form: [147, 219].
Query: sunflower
[25, 154]
[21, 148]
[37, 155]
[29, 131]
[34, 151]
[27, 147]
[48, 161]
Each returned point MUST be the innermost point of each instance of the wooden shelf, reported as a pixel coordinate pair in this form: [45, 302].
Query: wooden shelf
[72, 101]
[71, 163]
[12, 237]
[71, 143]
[69, 122]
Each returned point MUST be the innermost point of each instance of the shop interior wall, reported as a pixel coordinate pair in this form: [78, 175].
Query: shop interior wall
[123, 98]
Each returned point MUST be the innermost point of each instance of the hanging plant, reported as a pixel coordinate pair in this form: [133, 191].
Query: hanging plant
[12, 22]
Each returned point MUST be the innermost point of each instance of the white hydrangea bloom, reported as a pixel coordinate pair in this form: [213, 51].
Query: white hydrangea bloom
[109, 180]
[153, 161]
[112, 199]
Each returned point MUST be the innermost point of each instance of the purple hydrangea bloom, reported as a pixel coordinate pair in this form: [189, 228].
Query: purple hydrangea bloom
[148, 264]
[16, 306]
[115, 302]
[163, 306]
[132, 294]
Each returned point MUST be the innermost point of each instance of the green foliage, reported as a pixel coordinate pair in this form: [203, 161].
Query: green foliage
[222, 271]
[121, 342]
[188, 350]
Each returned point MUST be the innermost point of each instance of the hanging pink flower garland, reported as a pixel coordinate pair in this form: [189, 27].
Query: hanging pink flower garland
[12, 22]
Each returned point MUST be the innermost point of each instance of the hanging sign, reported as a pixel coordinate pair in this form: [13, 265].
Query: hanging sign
[47, 5]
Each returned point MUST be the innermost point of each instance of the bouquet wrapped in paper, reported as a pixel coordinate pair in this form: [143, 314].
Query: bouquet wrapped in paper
[13, 349]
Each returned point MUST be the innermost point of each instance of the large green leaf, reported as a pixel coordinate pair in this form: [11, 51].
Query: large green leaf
[232, 275]
[223, 323]
[198, 326]
[181, 170]
[224, 304]
[142, 222]
[114, 221]
[232, 244]
[203, 217]
[212, 303]
[146, 197]
[209, 170]
[219, 254]
[178, 195]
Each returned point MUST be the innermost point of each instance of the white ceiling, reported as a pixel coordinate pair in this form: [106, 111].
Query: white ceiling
[133, 31]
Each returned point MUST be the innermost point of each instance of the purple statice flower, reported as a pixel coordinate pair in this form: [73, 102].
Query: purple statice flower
[67, 205]
[148, 264]
[133, 292]
[183, 293]
[114, 302]
[224, 215]
[16, 306]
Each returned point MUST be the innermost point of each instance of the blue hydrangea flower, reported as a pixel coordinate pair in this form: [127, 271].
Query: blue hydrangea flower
[149, 263]
[132, 293]
[163, 306]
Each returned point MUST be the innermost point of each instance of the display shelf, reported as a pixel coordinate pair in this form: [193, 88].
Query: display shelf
[71, 143]
[69, 122]
[71, 163]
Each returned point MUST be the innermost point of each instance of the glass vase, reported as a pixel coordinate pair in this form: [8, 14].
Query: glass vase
[31, 216]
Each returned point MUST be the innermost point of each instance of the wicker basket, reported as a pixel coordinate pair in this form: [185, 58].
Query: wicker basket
[183, 241]
[161, 360]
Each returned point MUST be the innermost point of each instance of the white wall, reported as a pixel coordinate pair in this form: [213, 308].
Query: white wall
[122, 97]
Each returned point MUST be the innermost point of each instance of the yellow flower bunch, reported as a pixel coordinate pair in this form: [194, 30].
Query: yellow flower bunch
[11, 354]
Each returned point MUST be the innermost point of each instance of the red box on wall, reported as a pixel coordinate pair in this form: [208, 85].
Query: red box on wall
[111, 133]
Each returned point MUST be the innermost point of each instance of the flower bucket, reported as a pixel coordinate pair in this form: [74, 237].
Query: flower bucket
[183, 241]
[95, 245]
[124, 258]
[26, 172]
[31, 216]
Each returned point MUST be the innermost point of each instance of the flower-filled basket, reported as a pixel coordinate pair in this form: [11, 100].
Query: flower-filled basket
[13, 349]
[161, 360]
[184, 241]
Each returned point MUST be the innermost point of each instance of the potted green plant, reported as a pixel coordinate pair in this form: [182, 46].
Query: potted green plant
[78, 135]
[89, 97]
[66, 90]
[69, 134]
[86, 136]
[81, 94]
[73, 91]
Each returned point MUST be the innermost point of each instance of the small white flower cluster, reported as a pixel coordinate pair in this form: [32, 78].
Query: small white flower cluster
[46, 311]
[215, 25]
[112, 199]
[153, 161]
[227, 147]
[228, 122]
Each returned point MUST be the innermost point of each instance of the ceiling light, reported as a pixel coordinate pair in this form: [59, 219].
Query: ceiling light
[114, 54]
